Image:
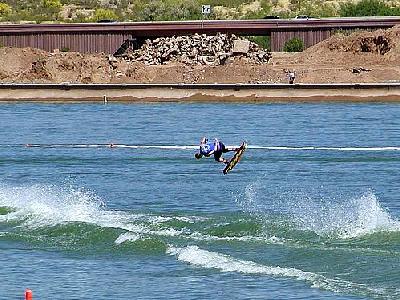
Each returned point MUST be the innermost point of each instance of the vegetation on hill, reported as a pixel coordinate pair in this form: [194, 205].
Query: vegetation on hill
[369, 8]
[158, 10]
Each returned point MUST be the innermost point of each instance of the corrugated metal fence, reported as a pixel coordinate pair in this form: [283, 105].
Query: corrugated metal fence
[309, 37]
[79, 42]
[107, 38]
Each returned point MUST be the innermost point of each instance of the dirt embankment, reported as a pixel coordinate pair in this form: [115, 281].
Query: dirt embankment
[357, 58]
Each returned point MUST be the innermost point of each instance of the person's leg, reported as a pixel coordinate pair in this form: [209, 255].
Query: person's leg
[228, 149]
[218, 157]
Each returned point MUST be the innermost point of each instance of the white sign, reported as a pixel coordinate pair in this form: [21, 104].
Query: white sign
[206, 9]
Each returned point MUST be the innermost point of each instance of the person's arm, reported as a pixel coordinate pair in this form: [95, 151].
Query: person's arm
[216, 146]
[211, 153]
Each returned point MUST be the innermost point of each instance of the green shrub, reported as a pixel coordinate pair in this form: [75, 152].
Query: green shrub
[294, 45]
[166, 10]
[160, 10]
[262, 41]
[5, 9]
[52, 4]
[368, 8]
[104, 14]
[265, 10]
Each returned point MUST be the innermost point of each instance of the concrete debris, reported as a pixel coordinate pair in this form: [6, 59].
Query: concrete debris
[196, 50]
[241, 46]
[359, 70]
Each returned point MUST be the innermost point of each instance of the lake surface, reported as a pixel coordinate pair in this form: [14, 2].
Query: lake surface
[311, 212]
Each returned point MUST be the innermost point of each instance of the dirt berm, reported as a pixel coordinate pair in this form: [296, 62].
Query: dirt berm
[362, 57]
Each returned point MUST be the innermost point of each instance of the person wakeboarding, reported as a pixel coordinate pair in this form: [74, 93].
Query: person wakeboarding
[215, 148]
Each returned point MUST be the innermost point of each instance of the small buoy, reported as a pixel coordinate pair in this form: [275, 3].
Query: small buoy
[28, 294]
[28, 145]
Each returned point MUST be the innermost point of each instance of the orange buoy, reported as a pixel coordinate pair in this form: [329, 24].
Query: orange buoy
[28, 294]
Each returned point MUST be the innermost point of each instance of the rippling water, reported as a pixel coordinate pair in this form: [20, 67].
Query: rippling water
[311, 212]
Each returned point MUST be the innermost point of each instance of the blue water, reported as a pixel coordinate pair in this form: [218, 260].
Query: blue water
[311, 212]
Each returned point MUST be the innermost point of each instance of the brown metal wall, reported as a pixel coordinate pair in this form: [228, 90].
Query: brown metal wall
[80, 42]
[96, 42]
[98, 37]
[309, 37]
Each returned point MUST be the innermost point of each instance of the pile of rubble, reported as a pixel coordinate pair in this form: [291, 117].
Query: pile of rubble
[196, 49]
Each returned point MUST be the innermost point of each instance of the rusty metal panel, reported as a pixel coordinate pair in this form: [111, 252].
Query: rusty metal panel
[96, 37]
[309, 37]
[79, 42]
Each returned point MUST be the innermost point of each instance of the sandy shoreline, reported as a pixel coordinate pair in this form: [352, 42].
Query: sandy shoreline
[360, 92]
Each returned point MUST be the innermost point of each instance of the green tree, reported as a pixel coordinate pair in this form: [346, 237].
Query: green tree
[262, 41]
[52, 4]
[296, 6]
[82, 3]
[368, 8]
[46, 10]
[166, 10]
[294, 45]
[263, 10]
[104, 14]
[5, 10]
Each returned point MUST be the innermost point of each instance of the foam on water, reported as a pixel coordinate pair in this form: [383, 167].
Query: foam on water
[348, 218]
[39, 206]
[197, 236]
[336, 216]
[50, 205]
[47, 205]
[128, 236]
[198, 257]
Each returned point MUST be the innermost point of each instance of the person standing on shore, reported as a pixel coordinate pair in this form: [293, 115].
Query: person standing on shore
[291, 76]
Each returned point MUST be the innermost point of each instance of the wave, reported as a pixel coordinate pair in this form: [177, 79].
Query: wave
[196, 256]
[54, 211]
[337, 216]
[74, 219]
[351, 218]
[45, 205]
[69, 216]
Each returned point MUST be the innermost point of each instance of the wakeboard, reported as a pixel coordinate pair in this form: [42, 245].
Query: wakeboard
[235, 158]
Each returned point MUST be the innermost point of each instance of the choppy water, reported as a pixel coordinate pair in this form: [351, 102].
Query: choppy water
[311, 212]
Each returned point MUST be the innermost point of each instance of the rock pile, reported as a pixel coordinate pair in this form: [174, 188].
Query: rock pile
[196, 49]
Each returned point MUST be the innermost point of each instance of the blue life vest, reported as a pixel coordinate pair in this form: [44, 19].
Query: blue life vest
[205, 149]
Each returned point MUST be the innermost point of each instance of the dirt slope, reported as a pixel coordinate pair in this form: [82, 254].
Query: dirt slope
[360, 57]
